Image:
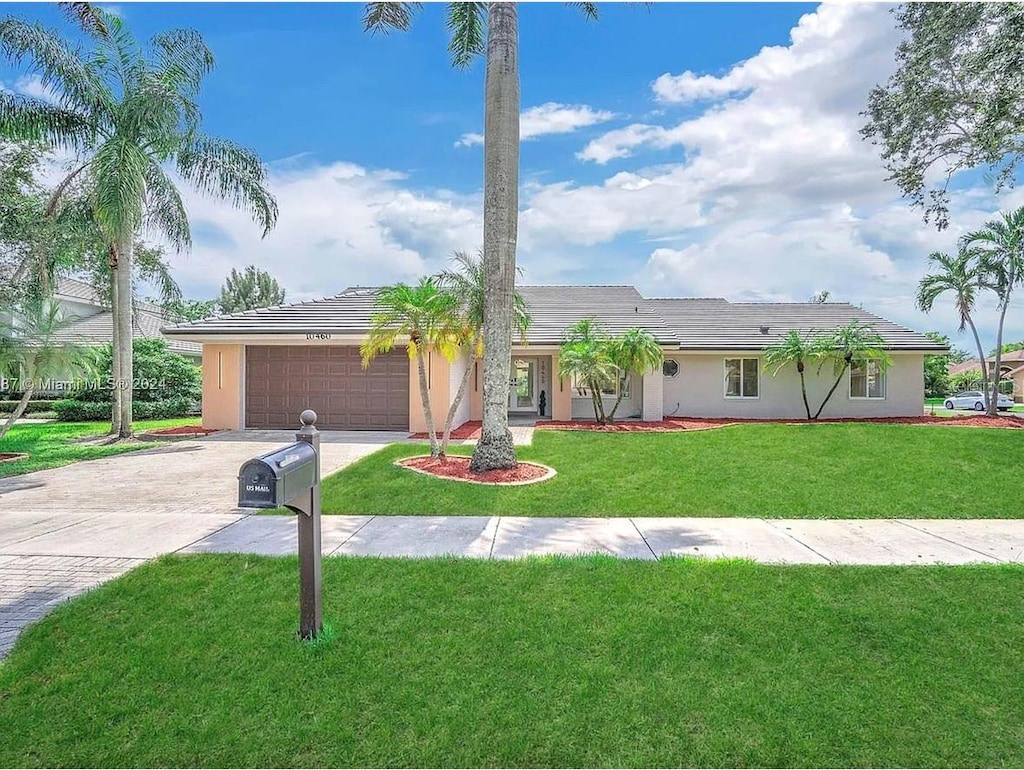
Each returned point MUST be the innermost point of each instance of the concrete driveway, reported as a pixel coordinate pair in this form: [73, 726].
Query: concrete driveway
[194, 476]
[66, 530]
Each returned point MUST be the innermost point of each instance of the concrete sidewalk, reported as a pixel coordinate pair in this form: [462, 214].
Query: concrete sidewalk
[779, 541]
[47, 558]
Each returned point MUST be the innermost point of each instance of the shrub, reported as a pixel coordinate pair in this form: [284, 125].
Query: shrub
[74, 410]
[160, 375]
[35, 406]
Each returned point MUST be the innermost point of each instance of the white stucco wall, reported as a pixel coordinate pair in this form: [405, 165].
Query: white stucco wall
[583, 407]
[699, 390]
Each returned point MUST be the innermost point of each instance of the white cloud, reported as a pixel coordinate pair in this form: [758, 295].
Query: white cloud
[549, 118]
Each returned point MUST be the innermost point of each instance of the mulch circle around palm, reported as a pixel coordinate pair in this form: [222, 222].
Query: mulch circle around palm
[177, 432]
[10, 457]
[457, 469]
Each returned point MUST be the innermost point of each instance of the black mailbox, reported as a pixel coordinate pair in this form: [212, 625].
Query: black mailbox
[271, 480]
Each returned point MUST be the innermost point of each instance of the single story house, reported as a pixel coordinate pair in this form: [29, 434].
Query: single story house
[262, 367]
[92, 323]
[1011, 369]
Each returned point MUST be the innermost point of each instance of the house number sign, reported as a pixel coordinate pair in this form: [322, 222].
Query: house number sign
[318, 336]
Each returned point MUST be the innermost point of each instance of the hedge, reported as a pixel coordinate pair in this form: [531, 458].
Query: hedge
[70, 410]
[34, 406]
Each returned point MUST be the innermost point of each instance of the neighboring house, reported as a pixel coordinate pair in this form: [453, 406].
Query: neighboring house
[93, 324]
[261, 368]
[1011, 369]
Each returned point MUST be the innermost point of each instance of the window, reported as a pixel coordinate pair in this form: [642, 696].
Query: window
[741, 378]
[608, 389]
[867, 380]
[669, 368]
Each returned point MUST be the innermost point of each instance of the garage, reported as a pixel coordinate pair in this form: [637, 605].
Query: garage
[282, 380]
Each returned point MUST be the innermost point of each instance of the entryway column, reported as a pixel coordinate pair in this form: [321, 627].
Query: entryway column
[654, 400]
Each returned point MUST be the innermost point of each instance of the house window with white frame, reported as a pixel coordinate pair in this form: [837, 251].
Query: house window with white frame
[867, 380]
[742, 378]
[609, 389]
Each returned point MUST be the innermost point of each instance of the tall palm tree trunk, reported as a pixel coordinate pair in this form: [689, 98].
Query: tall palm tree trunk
[19, 410]
[428, 412]
[115, 347]
[981, 357]
[459, 395]
[123, 323]
[993, 401]
[501, 220]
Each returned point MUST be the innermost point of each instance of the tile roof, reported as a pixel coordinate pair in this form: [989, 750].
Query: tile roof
[99, 328]
[716, 324]
[72, 288]
[702, 323]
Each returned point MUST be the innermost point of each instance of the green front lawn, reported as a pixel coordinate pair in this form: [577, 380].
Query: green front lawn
[51, 444]
[561, 663]
[774, 471]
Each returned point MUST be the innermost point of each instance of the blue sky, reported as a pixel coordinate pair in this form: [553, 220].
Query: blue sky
[692, 149]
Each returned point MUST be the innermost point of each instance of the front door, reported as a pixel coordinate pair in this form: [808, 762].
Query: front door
[522, 396]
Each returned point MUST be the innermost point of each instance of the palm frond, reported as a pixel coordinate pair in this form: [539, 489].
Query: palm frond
[150, 266]
[24, 118]
[88, 18]
[59, 65]
[589, 10]
[165, 211]
[119, 171]
[386, 17]
[228, 172]
[468, 35]
[183, 58]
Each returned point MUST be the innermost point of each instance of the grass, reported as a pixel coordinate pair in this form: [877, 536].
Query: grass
[563, 663]
[774, 471]
[51, 444]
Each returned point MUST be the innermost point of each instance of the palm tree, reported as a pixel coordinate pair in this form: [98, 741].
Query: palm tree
[855, 343]
[500, 45]
[585, 358]
[31, 345]
[798, 349]
[635, 351]
[998, 248]
[467, 285]
[127, 113]
[427, 317]
[960, 277]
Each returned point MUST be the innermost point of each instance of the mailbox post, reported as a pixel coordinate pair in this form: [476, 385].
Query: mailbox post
[310, 574]
[290, 477]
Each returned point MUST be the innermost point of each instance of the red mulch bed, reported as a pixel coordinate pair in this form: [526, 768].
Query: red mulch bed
[467, 430]
[458, 468]
[704, 423]
[183, 430]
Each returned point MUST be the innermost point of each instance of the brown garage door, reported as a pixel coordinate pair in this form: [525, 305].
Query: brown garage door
[282, 380]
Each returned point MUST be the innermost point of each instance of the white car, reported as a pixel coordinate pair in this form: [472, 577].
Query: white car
[975, 399]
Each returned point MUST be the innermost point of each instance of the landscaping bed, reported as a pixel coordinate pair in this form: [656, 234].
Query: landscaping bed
[457, 469]
[670, 424]
[828, 470]
[193, 662]
[176, 432]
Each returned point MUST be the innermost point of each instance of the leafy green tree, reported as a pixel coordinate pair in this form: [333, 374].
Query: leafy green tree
[466, 284]
[427, 317]
[188, 309]
[998, 248]
[129, 114]
[248, 290]
[797, 349]
[954, 101]
[960, 277]
[937, 381]
[491, 30]
[855, 343]
[160, 374]
[31, 344]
